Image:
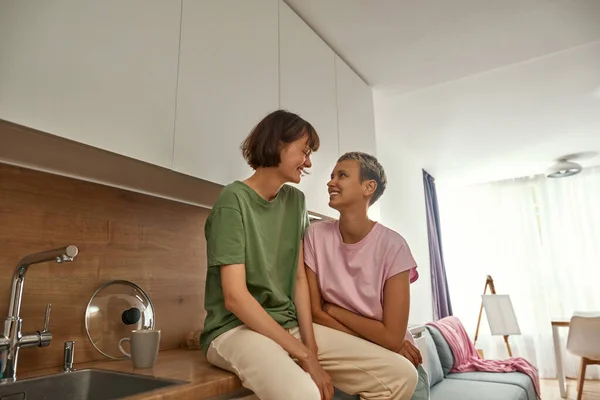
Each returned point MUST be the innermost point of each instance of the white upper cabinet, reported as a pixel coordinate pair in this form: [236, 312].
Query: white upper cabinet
[228, 82]
[307, 87]
[179, 83]
[102, 73]
[355, 111]
[355, 117]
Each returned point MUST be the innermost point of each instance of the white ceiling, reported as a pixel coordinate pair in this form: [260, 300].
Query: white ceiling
[405, 45]
[475, 90]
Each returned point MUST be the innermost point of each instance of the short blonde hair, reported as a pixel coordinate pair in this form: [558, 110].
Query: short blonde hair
[369, 169]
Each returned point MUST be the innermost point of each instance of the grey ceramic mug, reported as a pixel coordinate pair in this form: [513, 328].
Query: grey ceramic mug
[144, 345]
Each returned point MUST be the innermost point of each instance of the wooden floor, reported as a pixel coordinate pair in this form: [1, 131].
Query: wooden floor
[550, 390]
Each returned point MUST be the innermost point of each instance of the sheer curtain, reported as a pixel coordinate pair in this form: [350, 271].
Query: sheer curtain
[539, 239]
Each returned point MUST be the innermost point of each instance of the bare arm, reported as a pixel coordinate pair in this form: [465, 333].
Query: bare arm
[302, 302]
[316, 305]
[396, 305]
[240, 302]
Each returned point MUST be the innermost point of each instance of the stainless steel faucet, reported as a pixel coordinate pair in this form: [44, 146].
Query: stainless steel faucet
[12, 338]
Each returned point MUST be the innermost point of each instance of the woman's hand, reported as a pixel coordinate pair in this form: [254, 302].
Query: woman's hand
[411, 352]
[407, 349]
[318, 375]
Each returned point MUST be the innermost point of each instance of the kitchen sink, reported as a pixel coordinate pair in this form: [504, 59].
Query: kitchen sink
[86, 384]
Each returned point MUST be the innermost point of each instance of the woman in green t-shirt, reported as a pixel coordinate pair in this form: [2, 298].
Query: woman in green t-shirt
[258, 322]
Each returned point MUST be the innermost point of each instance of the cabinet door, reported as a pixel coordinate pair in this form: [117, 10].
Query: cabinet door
[355, 111]
[355, 117]
[228, 81]
[102, 73]
[307, 87]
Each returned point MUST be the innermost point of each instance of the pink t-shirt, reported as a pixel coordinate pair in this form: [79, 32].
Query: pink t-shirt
[353, 276]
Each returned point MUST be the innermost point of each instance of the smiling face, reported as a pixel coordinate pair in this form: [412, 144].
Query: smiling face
[295, 158]
[345, 187]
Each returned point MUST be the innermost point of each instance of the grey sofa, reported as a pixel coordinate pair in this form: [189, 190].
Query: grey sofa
[445, 385]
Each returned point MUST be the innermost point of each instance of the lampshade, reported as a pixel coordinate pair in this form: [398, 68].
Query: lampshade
[500, 314]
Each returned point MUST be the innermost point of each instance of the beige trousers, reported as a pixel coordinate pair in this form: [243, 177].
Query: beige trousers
[356, 366]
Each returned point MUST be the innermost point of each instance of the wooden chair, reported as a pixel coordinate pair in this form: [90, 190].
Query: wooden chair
[584, 331]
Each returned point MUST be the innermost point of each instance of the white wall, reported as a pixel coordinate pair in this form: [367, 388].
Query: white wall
[403, 209]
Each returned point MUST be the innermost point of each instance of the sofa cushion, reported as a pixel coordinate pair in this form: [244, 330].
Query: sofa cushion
[510, 378]
[423, 389]
[459, 389]
[431, 360]
[339, 395]
[443, 349]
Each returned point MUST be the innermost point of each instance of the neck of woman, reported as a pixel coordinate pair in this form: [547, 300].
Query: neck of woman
[266, 182]
[355, 224]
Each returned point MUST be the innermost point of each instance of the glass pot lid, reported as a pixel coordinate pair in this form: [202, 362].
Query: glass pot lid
[115, 309]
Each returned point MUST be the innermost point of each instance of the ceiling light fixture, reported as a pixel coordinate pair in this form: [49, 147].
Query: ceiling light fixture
[563, 168]
[566, 167]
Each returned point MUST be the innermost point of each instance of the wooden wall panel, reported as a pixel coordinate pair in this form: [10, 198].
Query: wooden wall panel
[156, 243]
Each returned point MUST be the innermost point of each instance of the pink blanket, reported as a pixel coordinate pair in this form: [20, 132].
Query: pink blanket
[466, 358]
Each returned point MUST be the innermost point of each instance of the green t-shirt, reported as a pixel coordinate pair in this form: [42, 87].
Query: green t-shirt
[265, 236]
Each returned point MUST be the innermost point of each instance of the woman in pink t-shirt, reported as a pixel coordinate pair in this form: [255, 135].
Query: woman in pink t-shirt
[359, 271]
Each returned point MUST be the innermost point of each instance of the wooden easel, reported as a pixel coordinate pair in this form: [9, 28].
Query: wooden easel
[489, 282]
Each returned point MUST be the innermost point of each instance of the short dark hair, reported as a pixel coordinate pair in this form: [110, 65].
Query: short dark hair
[369, 169]
[278, 129]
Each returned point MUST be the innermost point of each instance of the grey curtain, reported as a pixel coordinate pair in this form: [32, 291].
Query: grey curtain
[439, 285]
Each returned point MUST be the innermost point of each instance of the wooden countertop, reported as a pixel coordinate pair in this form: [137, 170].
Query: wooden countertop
[205, 381]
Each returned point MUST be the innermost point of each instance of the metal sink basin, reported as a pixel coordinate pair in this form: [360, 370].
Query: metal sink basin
[86, 384]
